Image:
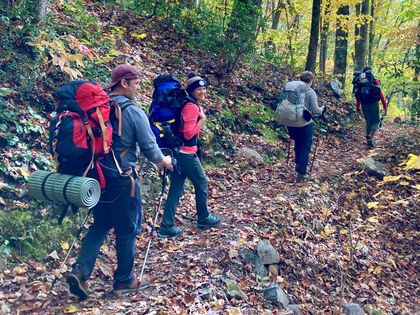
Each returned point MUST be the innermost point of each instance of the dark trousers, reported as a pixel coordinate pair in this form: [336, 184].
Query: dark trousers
[371, 114]
[190, 167]
[116, 209]
[303, 142]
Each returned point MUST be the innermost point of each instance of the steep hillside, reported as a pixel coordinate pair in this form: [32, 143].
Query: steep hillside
[343, 237]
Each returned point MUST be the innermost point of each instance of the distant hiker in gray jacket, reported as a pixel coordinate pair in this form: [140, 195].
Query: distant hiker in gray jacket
[295, 111]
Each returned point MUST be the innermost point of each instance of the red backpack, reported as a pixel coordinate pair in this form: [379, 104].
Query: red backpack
[81, 132]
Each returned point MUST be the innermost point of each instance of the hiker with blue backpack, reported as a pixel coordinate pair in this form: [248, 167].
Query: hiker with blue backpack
[120, 204]
[367, 91]
[191, 120]
[298, 105]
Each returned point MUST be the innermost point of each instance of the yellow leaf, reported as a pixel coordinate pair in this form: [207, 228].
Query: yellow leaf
[391, 262]
[373, 285]
[64, 245]
[138, 36]
[343, 231]
[70, 309]
[388, 179]
[20, 270]
[328, 230]
[413, 162]
[373, 219]
[23, 171]
[404, 183]
[377, 270]
[234, 311]
[372, 205]
[417, 187]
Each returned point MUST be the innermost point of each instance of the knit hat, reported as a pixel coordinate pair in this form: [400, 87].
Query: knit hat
[124, 71]
[194, 82]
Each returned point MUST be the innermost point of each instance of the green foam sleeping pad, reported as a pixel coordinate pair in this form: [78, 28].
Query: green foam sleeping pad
[64, 189]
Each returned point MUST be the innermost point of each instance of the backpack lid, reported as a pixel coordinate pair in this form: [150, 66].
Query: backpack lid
[164, 78]
[80, 96]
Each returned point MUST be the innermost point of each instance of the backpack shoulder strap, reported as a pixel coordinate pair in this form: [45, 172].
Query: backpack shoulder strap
[122, 101]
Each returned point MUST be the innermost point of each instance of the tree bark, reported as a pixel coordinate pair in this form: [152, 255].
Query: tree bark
[371, 33]
[313, 41]
[415, 107]
[362, 10]
[323, 49]
[42, 9]
[341, 44]
[276, 15]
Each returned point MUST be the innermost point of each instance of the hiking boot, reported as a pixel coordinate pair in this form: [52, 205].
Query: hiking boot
[124, 287]
[211, 221]
[370, 143]
[300, 178]
[172, 231]
[77, 286]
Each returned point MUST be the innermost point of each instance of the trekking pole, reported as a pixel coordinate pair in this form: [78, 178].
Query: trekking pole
[314, 155]
[153, 228]
[71, 247]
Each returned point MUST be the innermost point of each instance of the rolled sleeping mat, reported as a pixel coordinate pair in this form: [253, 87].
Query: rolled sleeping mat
[64, 189]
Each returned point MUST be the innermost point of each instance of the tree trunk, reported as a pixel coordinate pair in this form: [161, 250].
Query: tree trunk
[42, 9]
[341, 43]
[371, 33]
[276, 15]
[289, 35]
[323, 49]
[415, 107]
[361, 35]
[313, 41]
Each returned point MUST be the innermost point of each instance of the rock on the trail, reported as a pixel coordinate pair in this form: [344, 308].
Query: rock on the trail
[234, 291]
[267, 253]
[251, 257]
[353, 309]
[276, 295]
[251, 154]
[374, 167]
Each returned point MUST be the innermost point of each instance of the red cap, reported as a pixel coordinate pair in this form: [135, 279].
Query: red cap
[124, 71]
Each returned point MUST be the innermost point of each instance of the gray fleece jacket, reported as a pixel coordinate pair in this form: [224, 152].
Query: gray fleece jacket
[136, 132]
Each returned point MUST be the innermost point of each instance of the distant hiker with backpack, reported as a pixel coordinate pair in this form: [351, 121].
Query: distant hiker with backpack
[367, 91]
[192, 119]
[299, 104]
[120, 204]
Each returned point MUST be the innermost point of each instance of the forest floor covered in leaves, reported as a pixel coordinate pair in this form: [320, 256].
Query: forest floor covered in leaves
[344, 236]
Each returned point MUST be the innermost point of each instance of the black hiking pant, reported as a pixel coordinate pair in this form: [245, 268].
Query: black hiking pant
[371, 115]
[119, 210]
[303, 143]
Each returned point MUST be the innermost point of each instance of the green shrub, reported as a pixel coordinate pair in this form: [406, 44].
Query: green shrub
[34, 234]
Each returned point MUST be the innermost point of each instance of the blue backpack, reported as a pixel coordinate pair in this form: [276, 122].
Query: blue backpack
[165, 112]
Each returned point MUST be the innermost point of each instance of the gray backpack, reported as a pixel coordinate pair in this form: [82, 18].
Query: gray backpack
[291, 110]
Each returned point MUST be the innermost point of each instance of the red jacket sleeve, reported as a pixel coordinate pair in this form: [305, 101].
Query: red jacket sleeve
[189, 114]
[357, 105]
[383, 101]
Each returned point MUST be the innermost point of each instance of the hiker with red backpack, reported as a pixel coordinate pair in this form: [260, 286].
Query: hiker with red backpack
[120, 204]
[367, 91]
[298, 105]
[189, 166]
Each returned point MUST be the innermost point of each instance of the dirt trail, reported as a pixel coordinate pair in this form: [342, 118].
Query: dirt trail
[260, 202]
